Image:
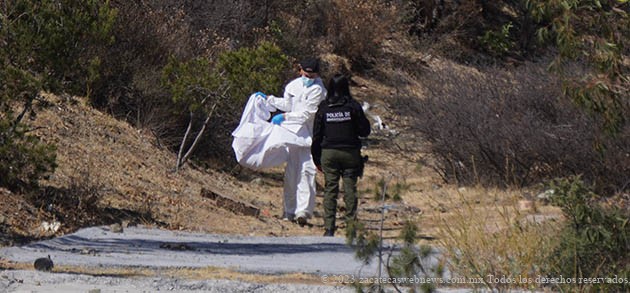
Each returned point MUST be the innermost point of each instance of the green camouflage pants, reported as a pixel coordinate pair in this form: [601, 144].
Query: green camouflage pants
[336, 163]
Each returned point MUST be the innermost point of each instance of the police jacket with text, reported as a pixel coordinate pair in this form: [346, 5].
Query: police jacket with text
[338, 125]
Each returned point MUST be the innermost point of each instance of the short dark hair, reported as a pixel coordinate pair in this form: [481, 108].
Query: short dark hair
[338, 87]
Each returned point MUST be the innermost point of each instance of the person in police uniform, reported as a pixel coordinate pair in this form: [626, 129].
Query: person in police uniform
[336, 148]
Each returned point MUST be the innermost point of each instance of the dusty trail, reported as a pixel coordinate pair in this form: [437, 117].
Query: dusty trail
[252, 263]
[153, 249]
[144, 247]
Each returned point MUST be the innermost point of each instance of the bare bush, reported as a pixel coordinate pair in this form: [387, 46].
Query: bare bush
[514, 128]
[78, 205]
[422, 16]
[352, 29]
[470, 31]
[356, 28]
[146, 34]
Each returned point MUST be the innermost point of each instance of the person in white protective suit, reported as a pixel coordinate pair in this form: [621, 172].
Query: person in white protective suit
[299, 104]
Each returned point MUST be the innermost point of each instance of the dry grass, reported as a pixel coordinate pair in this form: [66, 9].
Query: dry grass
[205, 273]
[481, 231]
[136, 175]
[486, 235]
[22, 218]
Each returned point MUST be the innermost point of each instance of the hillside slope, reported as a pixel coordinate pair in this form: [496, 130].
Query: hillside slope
[110, 172]
[107, 161]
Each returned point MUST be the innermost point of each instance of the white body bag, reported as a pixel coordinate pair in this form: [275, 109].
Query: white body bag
[259, 144]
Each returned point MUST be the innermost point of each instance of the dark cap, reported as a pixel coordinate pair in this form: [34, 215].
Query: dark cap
[310, 65]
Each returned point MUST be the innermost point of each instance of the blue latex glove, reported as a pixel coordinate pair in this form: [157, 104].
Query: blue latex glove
[279, 118]
[261, 94]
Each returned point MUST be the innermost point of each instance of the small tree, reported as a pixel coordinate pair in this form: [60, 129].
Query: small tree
[413, 261]
[200, 86]
[408, 263]
[199, 90]
[44, 46]
[249, 70]
[594, 33]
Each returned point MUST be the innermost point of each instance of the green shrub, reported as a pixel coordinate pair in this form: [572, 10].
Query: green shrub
[45, 46]
[208, 92]
[497, 43]
[249, 70]
[595, 242]
[235, 75]
[593, 33]
[56, 40]
[191, 83]
[23, 159]
[196, 91]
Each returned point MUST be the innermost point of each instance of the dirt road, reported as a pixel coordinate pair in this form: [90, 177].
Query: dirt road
[154, 249]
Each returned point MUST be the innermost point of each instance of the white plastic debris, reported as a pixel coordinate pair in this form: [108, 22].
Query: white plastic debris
[50, 227]
[378, 123]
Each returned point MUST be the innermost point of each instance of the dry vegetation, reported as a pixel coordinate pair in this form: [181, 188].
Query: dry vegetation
[111, 172]
[120, 172]
[444, 115]
[176, 273]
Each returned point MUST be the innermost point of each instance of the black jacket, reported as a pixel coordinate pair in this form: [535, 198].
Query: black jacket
[338, 125]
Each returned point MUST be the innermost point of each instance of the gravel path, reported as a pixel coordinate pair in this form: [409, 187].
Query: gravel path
[139, 247]
[142, 247]
[152, 248]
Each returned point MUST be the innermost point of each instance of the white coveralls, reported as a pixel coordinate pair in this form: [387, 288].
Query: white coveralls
[300, 104]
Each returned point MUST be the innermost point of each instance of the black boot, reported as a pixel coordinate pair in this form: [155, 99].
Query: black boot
[329, 233]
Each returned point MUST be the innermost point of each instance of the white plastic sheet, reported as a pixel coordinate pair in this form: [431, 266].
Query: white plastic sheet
[259, 144]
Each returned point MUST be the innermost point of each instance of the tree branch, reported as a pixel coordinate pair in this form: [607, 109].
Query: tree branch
[203, 128]
[182, 145]
[28, 104]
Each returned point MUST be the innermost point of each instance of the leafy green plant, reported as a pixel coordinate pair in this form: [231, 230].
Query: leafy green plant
[595, 242]
[249, 70]
[23, 158]
[199, 86]
[593, 33]
[45, 46]
[498, 43]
